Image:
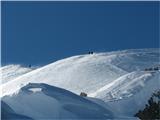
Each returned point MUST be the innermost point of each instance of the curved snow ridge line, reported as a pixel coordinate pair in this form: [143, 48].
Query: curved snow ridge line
[78, 60]
[107, 54]
[9, 66]
[131, 51]
[12, 67]
[11, 72]
[58, 103]
[91, 67]
[46, 66]
[26, 82]
[114, 82]
[36, 71]
[128, 82]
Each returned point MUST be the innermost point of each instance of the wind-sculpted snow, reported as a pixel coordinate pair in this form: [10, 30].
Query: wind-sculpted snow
[129, 93]
[48, 102]
[11, 72]
[125, 86]
[121, 79]
[80, 73]
[131, 105]
[87, 73]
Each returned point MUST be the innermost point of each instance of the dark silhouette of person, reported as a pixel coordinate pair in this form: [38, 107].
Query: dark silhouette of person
[90, 52]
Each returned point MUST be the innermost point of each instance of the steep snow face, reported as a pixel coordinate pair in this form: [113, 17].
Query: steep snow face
[88, 73]
[11, 72]
[41, 101]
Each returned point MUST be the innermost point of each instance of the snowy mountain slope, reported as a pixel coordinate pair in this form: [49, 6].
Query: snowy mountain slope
[131, 105]
[126, 85]
[71, 71]
[11, 72]
[42, 101]
[129, 93]
[136, 59]
[87, 73]
[118, 78]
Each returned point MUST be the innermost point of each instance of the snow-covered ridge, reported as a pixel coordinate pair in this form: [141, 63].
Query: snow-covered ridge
[119, 78]
[87, 73]
[54, 103]
[11, 72]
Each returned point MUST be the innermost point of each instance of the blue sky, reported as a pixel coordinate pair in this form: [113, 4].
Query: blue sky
[39, 33]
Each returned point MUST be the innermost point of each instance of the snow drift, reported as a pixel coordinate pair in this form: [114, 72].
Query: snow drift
[41, 101]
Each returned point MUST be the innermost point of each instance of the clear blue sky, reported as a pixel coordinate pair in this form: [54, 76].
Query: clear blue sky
[39, 33]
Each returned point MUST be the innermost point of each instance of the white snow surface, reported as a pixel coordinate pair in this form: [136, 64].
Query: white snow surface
[126, 85]
[118, 78]
[87, 73]
[54, 103]
[128, 98]
[11, 72]
[131, 105]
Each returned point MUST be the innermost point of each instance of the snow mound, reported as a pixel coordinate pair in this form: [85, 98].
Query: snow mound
[42, 101]
[87, 73]
[11, 72]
